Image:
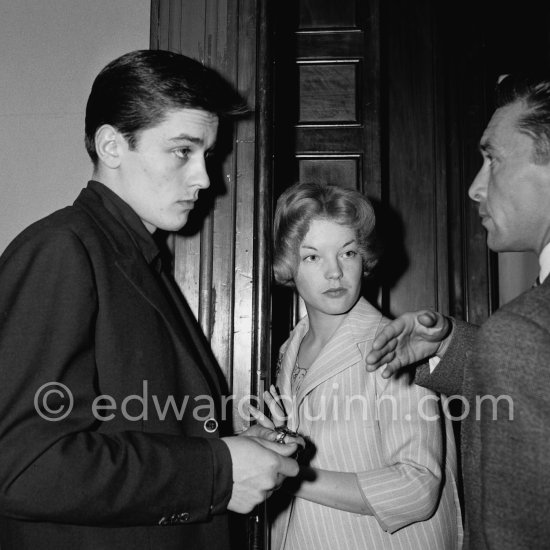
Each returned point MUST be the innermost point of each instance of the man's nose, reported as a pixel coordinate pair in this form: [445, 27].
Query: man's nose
[478, 190]
[200, 176]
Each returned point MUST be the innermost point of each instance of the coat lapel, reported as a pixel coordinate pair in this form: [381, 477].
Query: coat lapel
[195, 337]
[139, 274]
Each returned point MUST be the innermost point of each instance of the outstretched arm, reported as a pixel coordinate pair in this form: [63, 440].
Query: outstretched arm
[410, 338]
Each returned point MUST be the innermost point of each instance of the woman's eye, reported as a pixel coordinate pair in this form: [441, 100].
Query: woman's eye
[311, 258]
[350, 254]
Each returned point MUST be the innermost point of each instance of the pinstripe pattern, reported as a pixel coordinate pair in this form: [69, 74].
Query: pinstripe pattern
[379, 434]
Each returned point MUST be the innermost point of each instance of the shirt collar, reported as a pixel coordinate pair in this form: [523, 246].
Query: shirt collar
[544, 262]
[130, 221]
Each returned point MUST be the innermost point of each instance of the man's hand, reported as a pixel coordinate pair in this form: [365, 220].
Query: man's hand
[259, 467]
[410, 338]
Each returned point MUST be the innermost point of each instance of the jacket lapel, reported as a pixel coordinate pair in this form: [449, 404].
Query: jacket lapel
[139, 274]
[194, 336]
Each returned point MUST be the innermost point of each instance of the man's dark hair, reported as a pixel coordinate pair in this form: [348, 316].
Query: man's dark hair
[136, 91]
[534, 92]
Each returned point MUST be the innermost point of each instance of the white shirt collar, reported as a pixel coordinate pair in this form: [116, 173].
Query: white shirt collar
[544, 262]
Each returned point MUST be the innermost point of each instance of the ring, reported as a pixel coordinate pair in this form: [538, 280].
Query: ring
[282, 432]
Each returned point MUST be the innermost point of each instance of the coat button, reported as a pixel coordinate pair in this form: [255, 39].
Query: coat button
[184, 516]
[211, 425]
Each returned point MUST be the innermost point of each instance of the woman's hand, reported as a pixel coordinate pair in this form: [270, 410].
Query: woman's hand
[282, 435]
[261, 418]
[276, 406]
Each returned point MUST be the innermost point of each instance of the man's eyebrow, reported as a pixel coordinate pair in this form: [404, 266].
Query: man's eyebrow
[485, 146]
[187, 137]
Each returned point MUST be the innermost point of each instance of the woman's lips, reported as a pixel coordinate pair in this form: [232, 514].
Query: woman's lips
[335, 292]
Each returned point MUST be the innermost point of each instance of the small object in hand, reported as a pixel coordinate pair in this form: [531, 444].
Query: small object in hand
[282, 432]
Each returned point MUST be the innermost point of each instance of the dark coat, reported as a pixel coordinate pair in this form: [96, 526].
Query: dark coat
[503, 369]
[80, 306]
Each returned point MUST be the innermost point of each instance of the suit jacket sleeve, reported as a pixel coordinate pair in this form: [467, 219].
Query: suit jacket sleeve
[511, 379]
[66, 471]
[448, 375]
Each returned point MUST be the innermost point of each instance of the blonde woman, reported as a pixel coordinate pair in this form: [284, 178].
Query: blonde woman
[383, 463]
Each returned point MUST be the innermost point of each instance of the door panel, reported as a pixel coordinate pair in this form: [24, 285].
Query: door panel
[326, 110]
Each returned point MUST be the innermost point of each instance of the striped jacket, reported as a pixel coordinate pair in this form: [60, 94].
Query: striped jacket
[389, 432]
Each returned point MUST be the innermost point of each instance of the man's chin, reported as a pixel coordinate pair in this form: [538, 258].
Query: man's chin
[493, 240]
[493, 244]
[173, 226]
[498, 244]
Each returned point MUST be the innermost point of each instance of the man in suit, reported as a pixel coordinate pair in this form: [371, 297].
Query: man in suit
[499, 370]
[102, 364]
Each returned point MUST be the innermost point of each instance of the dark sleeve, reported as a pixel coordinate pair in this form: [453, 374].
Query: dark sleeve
[447, 377]
[223, 477]
[66, 470]
[514, 412]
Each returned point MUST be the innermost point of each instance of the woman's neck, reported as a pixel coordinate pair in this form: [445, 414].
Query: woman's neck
[322, 327]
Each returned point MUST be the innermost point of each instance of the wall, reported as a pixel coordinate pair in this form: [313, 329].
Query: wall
[52, 50]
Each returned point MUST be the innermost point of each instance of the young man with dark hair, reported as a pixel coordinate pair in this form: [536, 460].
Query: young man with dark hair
[90, 319]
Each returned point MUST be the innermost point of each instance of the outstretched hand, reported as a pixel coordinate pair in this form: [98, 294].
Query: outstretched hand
[410, 338]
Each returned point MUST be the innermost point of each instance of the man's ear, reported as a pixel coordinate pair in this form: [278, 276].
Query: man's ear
[109, 145]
